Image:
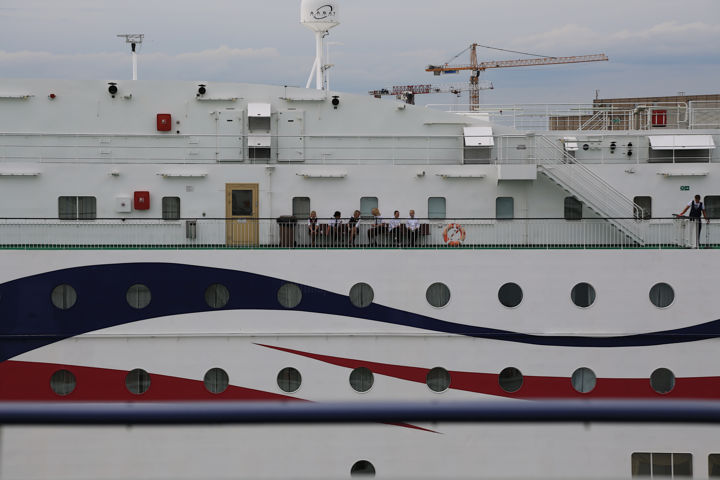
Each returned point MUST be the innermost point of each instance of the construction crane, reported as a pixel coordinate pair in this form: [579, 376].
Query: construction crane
[407, 93]
[477, 67]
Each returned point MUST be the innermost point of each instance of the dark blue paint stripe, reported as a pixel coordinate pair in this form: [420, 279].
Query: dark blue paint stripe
[28, 320]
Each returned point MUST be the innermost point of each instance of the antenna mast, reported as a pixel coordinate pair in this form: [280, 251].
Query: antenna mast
[319, 16]
[133, 39]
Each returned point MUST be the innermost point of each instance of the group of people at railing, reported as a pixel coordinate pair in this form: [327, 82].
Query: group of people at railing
[395, 231]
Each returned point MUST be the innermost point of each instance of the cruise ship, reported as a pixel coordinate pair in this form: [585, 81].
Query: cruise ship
[157, 245]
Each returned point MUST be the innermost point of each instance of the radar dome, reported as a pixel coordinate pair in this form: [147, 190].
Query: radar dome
[319, 15]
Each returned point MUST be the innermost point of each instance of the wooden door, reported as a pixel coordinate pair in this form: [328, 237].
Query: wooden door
[241, 211]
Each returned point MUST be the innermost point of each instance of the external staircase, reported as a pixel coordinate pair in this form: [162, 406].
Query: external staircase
[575, 178]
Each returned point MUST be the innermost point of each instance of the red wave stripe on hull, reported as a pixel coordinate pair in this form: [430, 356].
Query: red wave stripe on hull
[533, 387]
[30, 381]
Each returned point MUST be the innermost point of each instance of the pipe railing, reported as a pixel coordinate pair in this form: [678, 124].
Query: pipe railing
[288, 233]
[18, 149]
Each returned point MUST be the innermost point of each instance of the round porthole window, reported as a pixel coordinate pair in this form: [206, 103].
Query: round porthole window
[63, 296]
[438, 379]
[510, 295]
[138, 296]
[289, 295]
[583, 380]
[217, 295]
[137, 381]
[662, 295]
[361, 295]
[510, 379]
[583, 295]
[361, 379]
[362, 468]
[662, 380]
[438, 294]
[289, 379]
[63, 382]
[216, 380]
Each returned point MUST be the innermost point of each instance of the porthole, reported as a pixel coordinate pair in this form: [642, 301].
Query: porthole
[63, 382]
[583, 295]
[662, 295]
[510, 295]
[216, 380]
[289, 379]
[361, 379]
[361, 295]
[289, 295]
[438, 379]
[510, 379]
[662, 380]
[138, 296]
[583, 380]
[362, 468]
[63, 296]
[217, 295]
[438, 294]
[137, 381]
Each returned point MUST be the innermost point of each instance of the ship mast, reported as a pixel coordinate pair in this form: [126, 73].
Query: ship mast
[133, 39]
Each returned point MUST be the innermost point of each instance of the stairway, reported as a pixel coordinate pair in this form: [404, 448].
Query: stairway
[575, 178]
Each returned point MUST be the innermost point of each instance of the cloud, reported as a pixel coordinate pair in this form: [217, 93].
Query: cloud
[694, 39]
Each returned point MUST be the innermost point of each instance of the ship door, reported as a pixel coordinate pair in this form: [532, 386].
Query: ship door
[241, 212]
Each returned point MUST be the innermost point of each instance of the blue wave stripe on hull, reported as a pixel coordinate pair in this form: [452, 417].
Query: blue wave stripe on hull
[29, 320]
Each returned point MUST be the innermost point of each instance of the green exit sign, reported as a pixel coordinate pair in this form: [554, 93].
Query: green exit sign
[685, 188]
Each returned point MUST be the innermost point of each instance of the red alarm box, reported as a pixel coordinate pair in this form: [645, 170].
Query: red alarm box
[142, 200]
[164, 122]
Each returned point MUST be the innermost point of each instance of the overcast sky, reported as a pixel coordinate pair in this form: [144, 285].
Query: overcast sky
[656, 47]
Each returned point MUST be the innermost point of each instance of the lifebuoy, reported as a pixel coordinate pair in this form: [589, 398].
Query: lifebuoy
[454, 234]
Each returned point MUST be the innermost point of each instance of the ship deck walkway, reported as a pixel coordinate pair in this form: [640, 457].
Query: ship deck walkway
[290, 233]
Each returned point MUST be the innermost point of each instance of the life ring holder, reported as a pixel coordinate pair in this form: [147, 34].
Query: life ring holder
[453, 234]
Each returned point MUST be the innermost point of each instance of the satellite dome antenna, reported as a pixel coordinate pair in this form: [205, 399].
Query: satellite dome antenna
[319, 16]
[133, 39]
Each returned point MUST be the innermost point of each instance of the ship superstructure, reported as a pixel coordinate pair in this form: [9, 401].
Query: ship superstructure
[155, 245]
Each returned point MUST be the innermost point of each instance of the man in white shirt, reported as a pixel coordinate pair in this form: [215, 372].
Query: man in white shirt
[412, 225]
[395, 227]
[697, 209]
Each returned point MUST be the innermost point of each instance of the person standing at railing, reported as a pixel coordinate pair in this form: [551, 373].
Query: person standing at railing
[697, 210]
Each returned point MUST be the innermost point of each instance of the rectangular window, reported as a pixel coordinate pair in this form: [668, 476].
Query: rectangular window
[712, 205]
[714, 465]
[645, 464]
[366, 206]
[171, 208]
[646, 204]
[573, 208]
[504, 208]
[436, 207]
[301, 207]
[77, 208]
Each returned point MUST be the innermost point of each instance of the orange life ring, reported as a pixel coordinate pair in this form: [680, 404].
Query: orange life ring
[454, 234]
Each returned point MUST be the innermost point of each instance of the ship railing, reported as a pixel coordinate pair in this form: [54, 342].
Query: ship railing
[289, 232]
[597, 116]
[24, 154]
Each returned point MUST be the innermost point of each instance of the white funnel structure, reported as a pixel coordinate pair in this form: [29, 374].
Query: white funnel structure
[319, 16]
